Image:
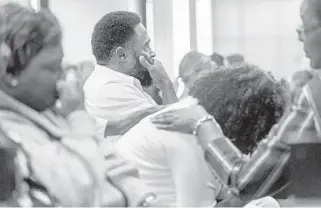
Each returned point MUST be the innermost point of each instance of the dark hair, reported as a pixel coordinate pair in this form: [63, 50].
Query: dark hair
[26, 32]
[111, 31]
[218, 59]
[235, 58]
[244, 100]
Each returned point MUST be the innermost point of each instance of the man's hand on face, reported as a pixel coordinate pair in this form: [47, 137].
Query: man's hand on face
[156, 71]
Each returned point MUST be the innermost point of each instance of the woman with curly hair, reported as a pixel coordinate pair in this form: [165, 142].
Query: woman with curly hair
[243, 99]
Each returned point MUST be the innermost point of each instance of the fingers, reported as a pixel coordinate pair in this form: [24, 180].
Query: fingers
[165, 118]
[146, 61]
[166, 114]
[168, 127]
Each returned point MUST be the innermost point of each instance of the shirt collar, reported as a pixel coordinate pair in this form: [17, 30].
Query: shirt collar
[112, 75]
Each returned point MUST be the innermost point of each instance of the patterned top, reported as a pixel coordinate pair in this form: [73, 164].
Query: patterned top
[255, 176]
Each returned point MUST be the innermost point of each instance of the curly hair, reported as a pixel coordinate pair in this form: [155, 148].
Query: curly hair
[26, 32]
[245, 101]
[111, 31]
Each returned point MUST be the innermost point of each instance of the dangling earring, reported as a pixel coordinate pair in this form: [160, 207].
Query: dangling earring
[14, 83]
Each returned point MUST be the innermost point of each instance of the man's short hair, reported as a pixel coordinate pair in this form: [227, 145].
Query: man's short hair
[111, 31]
[244, 100]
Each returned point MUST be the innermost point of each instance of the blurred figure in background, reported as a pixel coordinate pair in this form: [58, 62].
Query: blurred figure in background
[235, 59]
[191, 67]
[58, 153]
[298, 80]
[84, 69]
[218, 59]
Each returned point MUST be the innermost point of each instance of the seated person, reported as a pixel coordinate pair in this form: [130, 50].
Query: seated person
[244, 100]
[190, 68]
[58, 154]
[171, 164]
[125, 65]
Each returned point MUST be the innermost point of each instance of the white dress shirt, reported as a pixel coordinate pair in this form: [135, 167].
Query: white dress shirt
[170, 163]
[110, 94]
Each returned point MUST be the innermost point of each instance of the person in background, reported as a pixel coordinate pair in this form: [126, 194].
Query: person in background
[58, 155]
[265, 171]
[155, 93]
[191, 67]
[125, 64]
[298, 80]
[233, 59]
[84, 70]
[218, 59]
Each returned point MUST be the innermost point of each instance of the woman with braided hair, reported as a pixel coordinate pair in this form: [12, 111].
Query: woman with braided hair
[58, 157]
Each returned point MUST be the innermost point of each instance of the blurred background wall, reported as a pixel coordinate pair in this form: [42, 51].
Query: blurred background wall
[263, 31]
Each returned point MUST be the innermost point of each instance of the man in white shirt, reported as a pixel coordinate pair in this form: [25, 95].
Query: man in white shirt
[114, 91]
[171, 164]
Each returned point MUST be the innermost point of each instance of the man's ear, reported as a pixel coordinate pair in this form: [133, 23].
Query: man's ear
[121, 54]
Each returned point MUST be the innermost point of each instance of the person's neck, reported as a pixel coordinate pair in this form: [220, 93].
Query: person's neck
[114, 66]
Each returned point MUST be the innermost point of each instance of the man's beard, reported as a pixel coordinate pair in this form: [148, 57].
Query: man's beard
[144, 77]
[142, 74]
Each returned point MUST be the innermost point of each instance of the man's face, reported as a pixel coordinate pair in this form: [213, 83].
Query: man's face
[141, 47]
[311, 34]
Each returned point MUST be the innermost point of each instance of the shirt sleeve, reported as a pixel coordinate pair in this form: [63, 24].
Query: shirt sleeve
[194, 183]
[117, 100]
[259, 172]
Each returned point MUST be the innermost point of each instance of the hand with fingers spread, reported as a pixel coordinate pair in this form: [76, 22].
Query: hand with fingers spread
[182, 120]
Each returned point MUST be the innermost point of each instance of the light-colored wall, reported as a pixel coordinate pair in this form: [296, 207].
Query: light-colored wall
[264, 31]
[78, 17]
